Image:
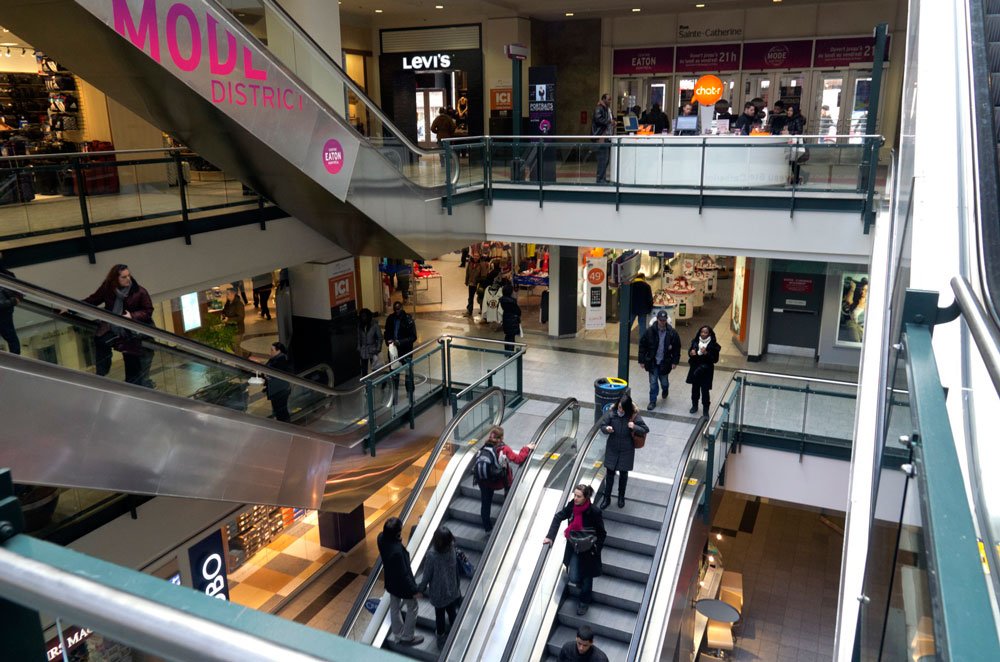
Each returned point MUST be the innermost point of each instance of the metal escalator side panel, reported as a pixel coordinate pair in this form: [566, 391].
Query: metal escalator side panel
[72, 429]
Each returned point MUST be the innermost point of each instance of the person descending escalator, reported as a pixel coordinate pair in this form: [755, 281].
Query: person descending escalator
[399, 583]
[122, 295]
[624, 428]
[582, 648]
[439, 582]
[585, 535]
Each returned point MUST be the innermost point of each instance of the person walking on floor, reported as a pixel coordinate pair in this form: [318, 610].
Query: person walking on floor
[278, 390]
[401, 332]
[369, 342]
[492, 471]
[511, 320]
[9, 299]
[440, 582]
[642, 302]
[582, 649]
[262, 286]
[234, 315]
[603, 124]
[241, 289]
[122, 295]
[399, 583]
[659, 353]
[582, 557]
[622, 424]
[702, 357]
[475, 271]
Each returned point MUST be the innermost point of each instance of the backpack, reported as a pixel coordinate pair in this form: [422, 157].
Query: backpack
[489, 467]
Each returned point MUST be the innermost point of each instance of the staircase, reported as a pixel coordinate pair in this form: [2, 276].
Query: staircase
[627, 558]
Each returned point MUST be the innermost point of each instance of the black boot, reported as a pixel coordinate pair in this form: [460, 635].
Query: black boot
[705, 408]
[621, 490]
[694, 407]
[609, 484]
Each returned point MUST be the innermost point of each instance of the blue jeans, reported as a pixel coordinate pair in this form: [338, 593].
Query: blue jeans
[643, 320]
[658, 379]
[585, 584]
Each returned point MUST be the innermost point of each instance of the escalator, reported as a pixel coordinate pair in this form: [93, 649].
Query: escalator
[268, 114]
[455, 504]
[203, 427]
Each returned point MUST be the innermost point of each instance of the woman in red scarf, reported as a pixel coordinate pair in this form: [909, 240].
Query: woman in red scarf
[582, 566]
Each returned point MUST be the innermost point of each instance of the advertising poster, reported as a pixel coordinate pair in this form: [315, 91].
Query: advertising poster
[595, 293]
[208, 566]
[341, 284]
[846, 51]
[739, 294]
[542, 100]
[795, 54]
[708, 57]
[643, 61]
[853, 309]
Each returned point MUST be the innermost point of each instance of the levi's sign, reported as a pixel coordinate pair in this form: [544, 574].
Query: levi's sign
[421, 62]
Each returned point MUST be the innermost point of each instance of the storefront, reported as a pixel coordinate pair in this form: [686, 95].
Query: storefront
[422, 71]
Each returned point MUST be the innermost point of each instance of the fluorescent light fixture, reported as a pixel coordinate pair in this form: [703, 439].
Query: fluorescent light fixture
[700, 5]
[378, 11]
[636, 9]
[438, 6]
[569, 13]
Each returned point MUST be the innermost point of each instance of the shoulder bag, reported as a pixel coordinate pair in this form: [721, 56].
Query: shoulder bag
[583, 540]
[638, 436]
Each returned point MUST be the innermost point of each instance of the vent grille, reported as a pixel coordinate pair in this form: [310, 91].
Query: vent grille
[462, 37]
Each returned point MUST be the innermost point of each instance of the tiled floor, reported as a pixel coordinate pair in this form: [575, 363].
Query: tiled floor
[790, 562]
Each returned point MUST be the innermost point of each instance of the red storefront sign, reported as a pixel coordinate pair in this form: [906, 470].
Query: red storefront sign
[708, 57]
[843, 52]
[633, 61]
[778, 54]
[797, 285]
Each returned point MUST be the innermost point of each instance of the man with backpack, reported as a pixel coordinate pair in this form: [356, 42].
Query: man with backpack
[491, 470]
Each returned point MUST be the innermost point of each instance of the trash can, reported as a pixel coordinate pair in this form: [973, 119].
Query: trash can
[607, 391]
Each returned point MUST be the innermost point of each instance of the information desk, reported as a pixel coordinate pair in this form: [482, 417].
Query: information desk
[730, 161]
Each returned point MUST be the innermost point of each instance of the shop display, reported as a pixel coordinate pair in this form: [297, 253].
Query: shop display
[853, 309]
[254, 529]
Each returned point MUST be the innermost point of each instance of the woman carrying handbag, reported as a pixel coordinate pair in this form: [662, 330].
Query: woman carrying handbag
[626, 431]
[585, 536]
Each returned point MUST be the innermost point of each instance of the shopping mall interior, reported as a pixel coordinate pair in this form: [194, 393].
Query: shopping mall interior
[274, 272]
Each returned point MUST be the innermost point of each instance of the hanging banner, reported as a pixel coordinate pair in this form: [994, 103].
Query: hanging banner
[778, 54]
[846, 51]
[643, 61]
[595, 292]
[708, 57]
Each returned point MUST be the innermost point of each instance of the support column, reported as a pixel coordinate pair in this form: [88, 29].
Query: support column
[341, 531]
[562, 291]
[757, 315]
[624, 328]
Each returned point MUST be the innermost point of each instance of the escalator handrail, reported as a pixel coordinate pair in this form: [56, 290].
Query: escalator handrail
[416, 490]
[74, 155]
[62, 302]
[666, 529]
[348, 81]
[565, 405]
[536, 573]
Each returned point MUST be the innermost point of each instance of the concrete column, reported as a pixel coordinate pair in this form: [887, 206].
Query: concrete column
[370, 284]
[757, 315]
[563, 307]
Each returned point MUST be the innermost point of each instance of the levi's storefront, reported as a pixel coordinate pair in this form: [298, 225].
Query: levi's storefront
[829, 78]
[423, 70]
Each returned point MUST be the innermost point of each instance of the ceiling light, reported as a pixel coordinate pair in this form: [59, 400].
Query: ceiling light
[700, 5]
[569, 13]
[636, 9]
[378, 11]
[775, 1]
[438, 6]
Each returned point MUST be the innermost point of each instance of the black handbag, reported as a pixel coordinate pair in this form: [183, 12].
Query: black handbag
[582, 540]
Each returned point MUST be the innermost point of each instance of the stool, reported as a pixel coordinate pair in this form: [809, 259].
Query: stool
[720, 636]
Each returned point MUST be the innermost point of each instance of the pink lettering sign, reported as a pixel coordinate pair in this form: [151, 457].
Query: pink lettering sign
[333, 156]
[846, 51]
[777, 54]
[633, 61]
[708, 58]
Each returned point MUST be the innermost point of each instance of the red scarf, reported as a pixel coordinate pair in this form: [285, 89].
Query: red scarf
[576, 522]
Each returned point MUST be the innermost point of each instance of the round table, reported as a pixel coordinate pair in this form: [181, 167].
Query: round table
[698, 283]
[685, 301]
[717, 610]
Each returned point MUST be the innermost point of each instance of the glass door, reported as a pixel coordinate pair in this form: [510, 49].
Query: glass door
[827, 104]
[657, 90]
[856, 118]
[791, 90]
[628, 93]
[429, 102]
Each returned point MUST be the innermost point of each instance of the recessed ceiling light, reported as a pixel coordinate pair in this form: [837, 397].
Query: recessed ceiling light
[775, 1]
[569, 13]
[378, 11]
[636, 9]
[438, 6]
[700, 5]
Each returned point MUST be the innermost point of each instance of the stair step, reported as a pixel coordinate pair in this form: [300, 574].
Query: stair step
[627, 565]
[425, 650]
[648, 491]
[993, 57]
[636, 512]
[993, 28]
[469, 489]
[631, 538]
[992, 6]
[467, 510]
[605, 621]
[615, 592]
[615, 650]
[467, 536]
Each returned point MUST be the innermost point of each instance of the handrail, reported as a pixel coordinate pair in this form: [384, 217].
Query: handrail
[665, 532]
[348, 81]
[550, 420]
[549, 139]
[984, 330]
[522, 612]
[415, 492]
[114, 152]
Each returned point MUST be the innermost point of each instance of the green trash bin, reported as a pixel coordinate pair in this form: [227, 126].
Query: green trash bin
[607, 391]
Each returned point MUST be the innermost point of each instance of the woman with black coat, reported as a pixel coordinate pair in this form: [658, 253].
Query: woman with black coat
[511, 321]
[702, 357]
[583, 566]
[620, 423]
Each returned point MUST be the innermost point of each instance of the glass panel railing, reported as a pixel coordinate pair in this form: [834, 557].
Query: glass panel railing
[492, 586]
[428, 493]
[479, 364]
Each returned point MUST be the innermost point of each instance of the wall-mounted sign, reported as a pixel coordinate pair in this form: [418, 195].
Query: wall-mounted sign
[710, 25]
[708, 57]
[708, 90]
[778, 54]
[542, 100]
[846, 51]
[796, 284]
[643, 61]
[208, 566]
[595, 293]
[190, 312]
[424, 62]
[341, 282]
[502, 98]
[73, 636]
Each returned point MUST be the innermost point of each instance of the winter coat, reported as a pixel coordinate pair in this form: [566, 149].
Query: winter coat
[568, 653]
[8, 298]
[235, 312]
[443, 127]
[701, 368]
[795, 125]
[619, 453]
[439, 581]
[642, 298]
[511, 315]
[399, 580]
[475, 272]
[407, 331]
[512, 457]
[650, 341]
[369, 341]
[659, 120]
[744, 124]
[603, 122]
[273, 386]
[137, 304]
[590, 561]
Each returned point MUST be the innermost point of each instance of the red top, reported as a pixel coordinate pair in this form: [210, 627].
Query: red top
[576, 522]
[516, 458]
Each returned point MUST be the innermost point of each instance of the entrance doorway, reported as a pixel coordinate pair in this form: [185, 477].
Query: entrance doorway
[846, 95]
[642, 92]
[429, 101]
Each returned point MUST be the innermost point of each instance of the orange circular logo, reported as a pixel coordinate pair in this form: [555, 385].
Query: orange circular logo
[707, 90]
[595, 276]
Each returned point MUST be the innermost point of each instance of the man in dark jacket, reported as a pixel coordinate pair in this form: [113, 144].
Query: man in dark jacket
[659, 353]
[642, 303]
[401, 331]
[122, 295]
[400, 583]
[278, 390]
[8, 299]
[582, 649]
[603, 124]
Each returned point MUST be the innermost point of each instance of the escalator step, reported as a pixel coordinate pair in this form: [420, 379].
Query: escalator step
[993, 57]
[627, 565]
[467, 510]
[993, 28]
[467, 536]
[638, 513]
[605, 621]
[995, 89]
[615, 650]
[426, 650]
[647, 491]
[469, 489]
[996, 120]
[631, 538]
[992, 6]
[615, 592]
